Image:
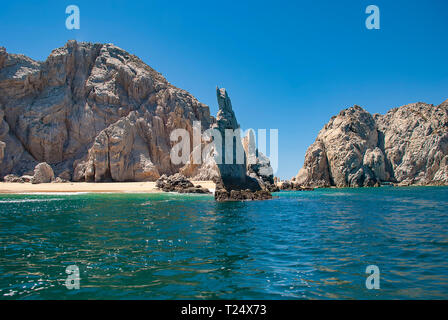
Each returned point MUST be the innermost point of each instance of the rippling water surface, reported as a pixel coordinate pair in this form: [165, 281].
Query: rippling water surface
[301, 245]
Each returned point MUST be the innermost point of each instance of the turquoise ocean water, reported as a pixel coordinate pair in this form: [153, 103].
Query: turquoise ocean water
[301, 245]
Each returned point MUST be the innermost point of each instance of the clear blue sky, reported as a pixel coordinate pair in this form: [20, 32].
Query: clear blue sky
[289, 65]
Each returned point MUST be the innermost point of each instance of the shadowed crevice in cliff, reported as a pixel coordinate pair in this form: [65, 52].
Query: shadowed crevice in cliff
[387, 163]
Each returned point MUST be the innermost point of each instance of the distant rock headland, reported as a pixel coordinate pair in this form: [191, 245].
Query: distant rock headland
[406, 146]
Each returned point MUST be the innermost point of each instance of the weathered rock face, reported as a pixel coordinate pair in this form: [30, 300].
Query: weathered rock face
[233, 174]
[122, 153]
[13, 157]
[207, 170]
[315, 170]
[415, 141]
[408, 145]
[234, 182]
[92, 110]
[43, 173]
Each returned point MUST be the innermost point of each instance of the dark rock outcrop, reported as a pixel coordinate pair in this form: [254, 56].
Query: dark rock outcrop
[222, 195]
[178, 183]
[234, 183]
[243, 169]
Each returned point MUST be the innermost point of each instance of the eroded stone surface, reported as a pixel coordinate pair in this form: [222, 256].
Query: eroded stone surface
[43, 173]
[93, 110]
[407, 146]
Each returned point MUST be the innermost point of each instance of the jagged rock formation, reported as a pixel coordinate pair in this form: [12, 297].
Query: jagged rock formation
[234, 183]
[257, 164]
[407, 146]
[232, 166]
[93, 112]
[246, 169]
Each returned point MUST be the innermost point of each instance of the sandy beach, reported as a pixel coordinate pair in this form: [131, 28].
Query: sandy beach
[114, 187]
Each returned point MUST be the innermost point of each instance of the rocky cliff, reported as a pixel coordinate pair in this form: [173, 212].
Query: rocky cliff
[408, 146]
[92, 111]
